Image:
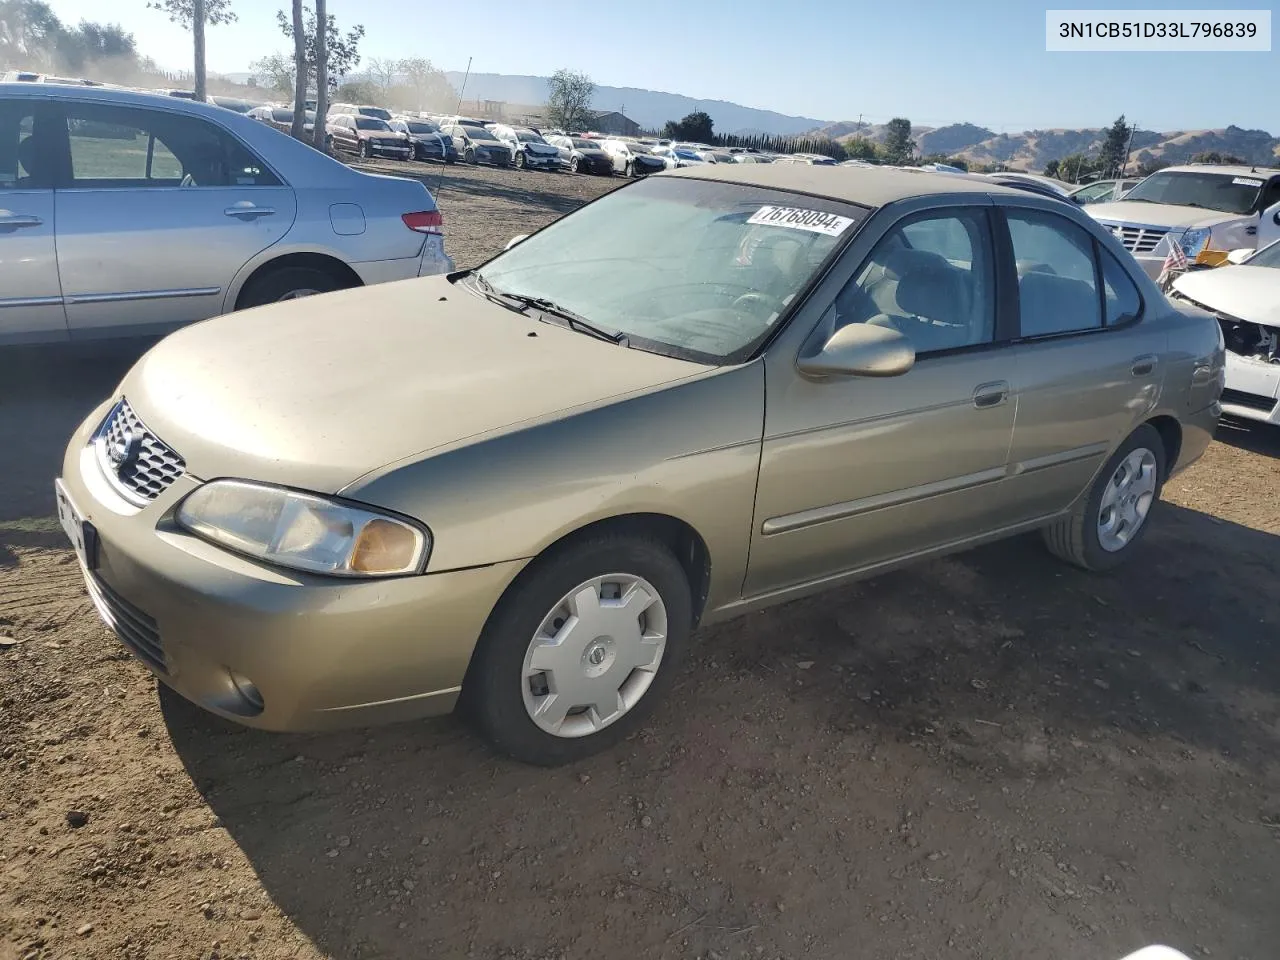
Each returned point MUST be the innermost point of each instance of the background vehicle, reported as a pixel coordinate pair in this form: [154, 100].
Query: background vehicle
[749, 157]
[477, 145]
[1208, 209]
[26, 76]
[361, 110]
[131, 214]
[630, 158]
[367, 137]
[1103, 191]
[427, 140]
[810, 159]
[527, 147]
[281, 118]
[236, 104]
[581, 155]
[1049, 185]
[1246, 300]
[676, 157]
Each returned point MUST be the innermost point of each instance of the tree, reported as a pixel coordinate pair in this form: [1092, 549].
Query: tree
[357, 91]
[860, 148]
[91, 43]
[427, 85]
[1115, 147]
[1213, 156]
[696, 126]
[898, 145]
[298, 129]
[1051, 168]
[322, 44]
[277, 72]
[194, 15]
[343, 49]
[569, 100]
[29, 30]
[382, 72]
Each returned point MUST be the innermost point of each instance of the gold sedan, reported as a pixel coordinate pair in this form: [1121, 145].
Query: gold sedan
[520, 488]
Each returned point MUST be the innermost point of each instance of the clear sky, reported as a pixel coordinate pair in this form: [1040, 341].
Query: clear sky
[935, 61]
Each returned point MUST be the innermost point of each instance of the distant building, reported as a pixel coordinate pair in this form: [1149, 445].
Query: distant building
[610, 121]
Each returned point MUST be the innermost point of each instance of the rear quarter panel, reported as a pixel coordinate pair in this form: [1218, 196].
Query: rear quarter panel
[1194, 377]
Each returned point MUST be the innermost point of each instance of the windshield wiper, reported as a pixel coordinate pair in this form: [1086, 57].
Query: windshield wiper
[574, 321]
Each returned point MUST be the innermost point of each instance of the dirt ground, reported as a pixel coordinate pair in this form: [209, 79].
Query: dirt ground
[991, 756]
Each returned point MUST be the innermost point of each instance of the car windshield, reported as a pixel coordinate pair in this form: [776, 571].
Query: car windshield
[479, 133]
[376, 112]
[586, 144]
[371, 123]
[525, 136]
[420, 126]
[1268, 256]
[690, 268]
[1226, 192]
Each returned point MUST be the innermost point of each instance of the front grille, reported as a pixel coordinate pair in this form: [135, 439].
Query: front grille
[139, 464]
[1251, 400]
[136, 630]
[1138, 239]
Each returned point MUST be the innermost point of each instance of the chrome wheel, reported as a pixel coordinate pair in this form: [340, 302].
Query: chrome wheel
[1127, 499]
[594, 655]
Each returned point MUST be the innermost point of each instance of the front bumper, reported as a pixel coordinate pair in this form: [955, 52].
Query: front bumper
[272, 648]
[394, 151]
[544, 162]
[646, 167]
[1252, 388]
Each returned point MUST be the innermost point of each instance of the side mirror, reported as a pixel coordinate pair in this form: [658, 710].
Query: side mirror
[1240, 256]
[861, 350]
[514, 240]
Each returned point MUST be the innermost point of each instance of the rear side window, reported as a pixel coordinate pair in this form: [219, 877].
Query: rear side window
[1124, 303]
[1057, 274]
[123, 147]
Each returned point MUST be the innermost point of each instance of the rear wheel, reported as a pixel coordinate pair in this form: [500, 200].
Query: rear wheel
[1104, 526]
[287, 283]
[580, 650]
[630, 169]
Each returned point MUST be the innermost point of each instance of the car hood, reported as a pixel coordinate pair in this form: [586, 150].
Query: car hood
[1243, 292]
[1158, 214]
[317, 392]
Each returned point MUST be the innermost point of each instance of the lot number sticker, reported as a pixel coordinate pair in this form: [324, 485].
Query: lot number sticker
[1246, 182]
[815, 221]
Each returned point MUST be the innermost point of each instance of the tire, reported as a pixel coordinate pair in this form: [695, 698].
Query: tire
[574, 165]
[287, 283]
[363, 149]
[499, 696]
[469, 156]
[521, 162]
[1077, 537]
[630, 170]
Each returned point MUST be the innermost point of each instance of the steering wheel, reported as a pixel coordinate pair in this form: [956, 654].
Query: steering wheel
[754, 298]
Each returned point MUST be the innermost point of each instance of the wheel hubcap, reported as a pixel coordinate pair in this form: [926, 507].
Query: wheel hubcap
[1127, 500]
[594, 655]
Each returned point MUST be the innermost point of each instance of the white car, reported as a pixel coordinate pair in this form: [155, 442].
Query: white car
[1207, 208]
[632, 158]
[675, 157]
[1246, 300]
[528, 149]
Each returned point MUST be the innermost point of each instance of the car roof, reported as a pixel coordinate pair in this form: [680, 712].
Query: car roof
[1239, 170]
[869, 186]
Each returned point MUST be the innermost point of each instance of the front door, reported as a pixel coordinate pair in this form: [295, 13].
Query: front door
[30, 296]
[156, 214]
[860, 471]
[1088, 367]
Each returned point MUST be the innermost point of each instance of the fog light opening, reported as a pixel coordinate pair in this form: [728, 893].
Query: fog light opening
[248, 692]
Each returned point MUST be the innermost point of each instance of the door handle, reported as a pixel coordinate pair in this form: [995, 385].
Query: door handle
[990, 394]
[248, 211]
[1143, 365]
[16, 220]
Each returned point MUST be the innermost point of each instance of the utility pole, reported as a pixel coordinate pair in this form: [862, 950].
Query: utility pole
[1124, 162]
[463, 89]
[858, 132]
[322, 75]
[197, 34]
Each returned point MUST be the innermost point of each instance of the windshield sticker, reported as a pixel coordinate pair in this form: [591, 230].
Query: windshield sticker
[815, 221]
[1246, 182]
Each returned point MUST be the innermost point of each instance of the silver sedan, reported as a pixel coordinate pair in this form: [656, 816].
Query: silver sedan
[126, 214]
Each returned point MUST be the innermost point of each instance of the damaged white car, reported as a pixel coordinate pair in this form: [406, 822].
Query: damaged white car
[1246, 300]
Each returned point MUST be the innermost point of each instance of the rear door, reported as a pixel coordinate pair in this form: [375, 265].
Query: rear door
[1088, 367]
[30, 295]
[343, 133]
[157, 213]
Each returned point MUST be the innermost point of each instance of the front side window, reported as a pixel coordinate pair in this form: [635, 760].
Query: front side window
[692, 268]
[1225, 192]
[932, 279]
[372, 123]
[130, 147]
[1057, 275]
[20, 150]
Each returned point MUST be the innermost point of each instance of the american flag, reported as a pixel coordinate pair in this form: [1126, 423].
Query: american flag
[1175, 263]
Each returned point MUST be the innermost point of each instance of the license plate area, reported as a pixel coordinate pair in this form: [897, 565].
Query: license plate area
[81, 533]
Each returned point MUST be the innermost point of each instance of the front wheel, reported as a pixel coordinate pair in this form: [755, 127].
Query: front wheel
[580, 649]
[470, 157]
[1106, 524]
[630, 169]
[521, 161]
[574, 165]
[363, 150]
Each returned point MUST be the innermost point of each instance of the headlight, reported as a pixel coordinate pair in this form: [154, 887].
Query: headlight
[1194, 240]
[304, 531]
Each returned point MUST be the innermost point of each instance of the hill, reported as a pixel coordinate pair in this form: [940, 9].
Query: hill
[649, 108]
